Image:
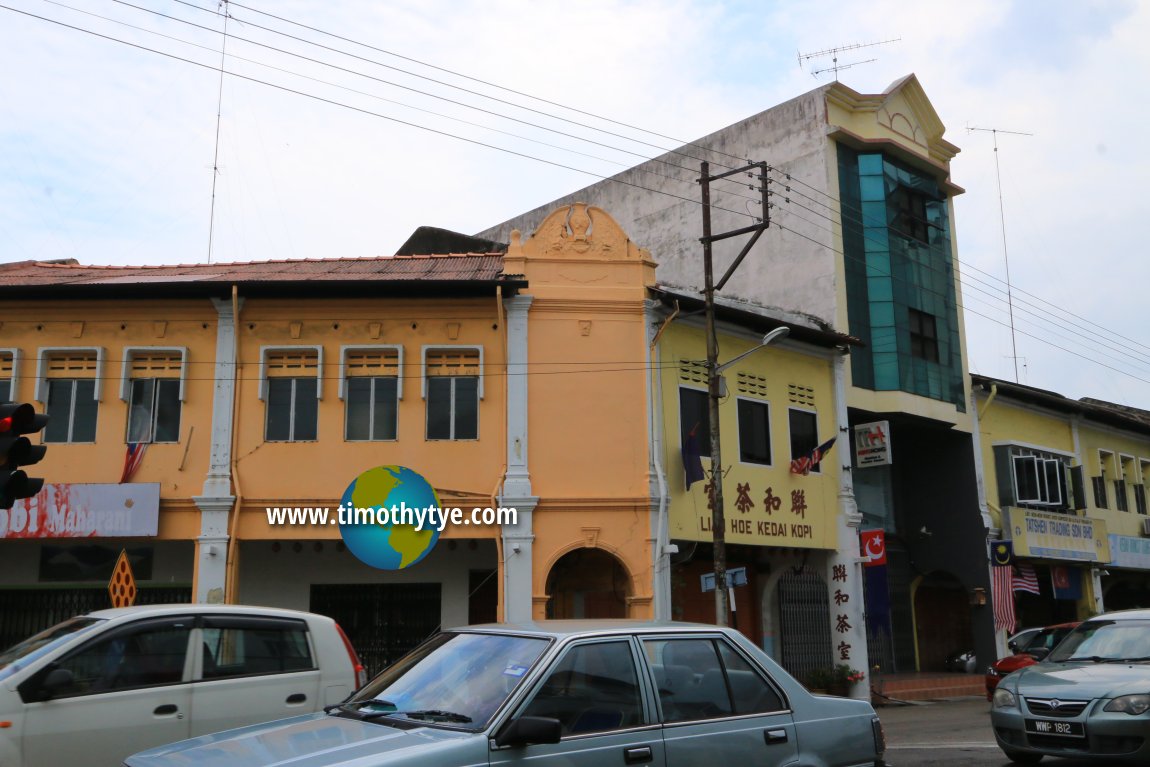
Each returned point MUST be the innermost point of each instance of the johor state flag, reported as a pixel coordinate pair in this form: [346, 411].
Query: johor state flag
[1067, 582]
[805, 463]
[132, 460]
[692, 461]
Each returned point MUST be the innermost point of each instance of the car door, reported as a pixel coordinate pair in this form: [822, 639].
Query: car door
[252, 669]
[716, 707]
[607, 718]
[128, 691]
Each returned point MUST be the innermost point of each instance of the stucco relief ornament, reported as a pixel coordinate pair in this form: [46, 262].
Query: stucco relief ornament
[578, 227]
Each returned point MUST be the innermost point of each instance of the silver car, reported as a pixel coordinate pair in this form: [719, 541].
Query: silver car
[1089, 697]
[573, 693]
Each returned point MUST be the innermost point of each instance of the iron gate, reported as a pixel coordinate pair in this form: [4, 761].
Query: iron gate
[804, 622]
[24, 612]
[383, 620]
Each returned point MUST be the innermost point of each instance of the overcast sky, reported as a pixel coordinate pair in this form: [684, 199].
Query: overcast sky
[106, 150]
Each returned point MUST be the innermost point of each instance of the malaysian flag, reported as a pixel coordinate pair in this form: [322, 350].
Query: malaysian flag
[805, 463]
[1025, 579]
[1001, 580]
[132, 460]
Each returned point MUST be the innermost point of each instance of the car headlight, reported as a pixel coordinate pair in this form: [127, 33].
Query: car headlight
[1130, 704]
[992, 671]
[1004, 698]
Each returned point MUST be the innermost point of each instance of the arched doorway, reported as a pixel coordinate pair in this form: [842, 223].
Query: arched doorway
[588, 583]
[941, 620]
[804, 622]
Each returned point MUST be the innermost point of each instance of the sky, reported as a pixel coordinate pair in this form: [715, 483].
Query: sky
[345, 125]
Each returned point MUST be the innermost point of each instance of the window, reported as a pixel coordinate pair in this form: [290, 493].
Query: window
[923, 335]
[247, 646]
[695, 684]
[1099, 484]
[138, 656]
[292, 392]
[70, 378]
[695, 415]
[910, 214]
[7, 374]
[452, 387]
[1140, 499]
[754, 432]
[371, 384]
[593, 688]
[153, 386]
[804, 434]
[1038, 480]
[1121, 502]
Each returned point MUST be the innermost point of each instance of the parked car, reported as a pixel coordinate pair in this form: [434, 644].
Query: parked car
[562, 693]
[1039, 645]
[1016, 642]
[101, 686]
[1090, 697]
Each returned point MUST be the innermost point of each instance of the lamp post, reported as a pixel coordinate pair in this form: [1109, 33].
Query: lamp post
[716, 391]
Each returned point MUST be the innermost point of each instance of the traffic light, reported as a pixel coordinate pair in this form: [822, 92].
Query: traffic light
[16, 450]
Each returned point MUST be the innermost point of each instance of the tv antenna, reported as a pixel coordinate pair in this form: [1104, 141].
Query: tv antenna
[834, 54]
[1002, 222]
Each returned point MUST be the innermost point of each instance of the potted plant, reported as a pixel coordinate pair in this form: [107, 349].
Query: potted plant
[842, 677]
[820, 680]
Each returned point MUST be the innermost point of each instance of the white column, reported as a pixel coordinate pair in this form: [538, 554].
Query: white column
[215, 504]
[656, 475]
[518, 538]
[844, 565]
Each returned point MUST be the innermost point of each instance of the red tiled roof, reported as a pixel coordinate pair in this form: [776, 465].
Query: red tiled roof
[455, 267]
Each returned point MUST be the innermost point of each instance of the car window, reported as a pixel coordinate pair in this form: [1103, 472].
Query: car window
[593, 688]
[749, 691]
[18, 656]
[236, 646]
[1105, 640]
[139, 656]
[689, 678]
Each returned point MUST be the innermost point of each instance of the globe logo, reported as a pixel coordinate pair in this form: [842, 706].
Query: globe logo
[388, 546]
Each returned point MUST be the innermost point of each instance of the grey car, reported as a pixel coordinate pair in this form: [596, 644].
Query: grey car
[1090, 697]
[572, 693]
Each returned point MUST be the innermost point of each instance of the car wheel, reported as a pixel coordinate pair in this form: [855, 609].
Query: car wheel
[1022, 757]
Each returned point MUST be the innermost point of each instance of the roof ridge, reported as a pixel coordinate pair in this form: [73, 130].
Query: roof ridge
[73, 264]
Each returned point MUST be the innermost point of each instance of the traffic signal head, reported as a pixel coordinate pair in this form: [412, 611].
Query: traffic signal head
[16, 450]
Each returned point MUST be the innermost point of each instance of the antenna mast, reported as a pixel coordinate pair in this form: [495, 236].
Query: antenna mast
[1002, 221]
[219, 110]
[834, 54]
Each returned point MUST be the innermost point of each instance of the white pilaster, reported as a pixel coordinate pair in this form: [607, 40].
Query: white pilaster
[517, 493]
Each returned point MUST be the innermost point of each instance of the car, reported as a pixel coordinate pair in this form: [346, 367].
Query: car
[1038, 645]
[1090, 697]
[568, 693]
[98, 687]
[1016, 642]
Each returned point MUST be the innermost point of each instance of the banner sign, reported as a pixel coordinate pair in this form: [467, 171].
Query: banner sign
[872, 444]
[1058, 536]
[85, 511]
[1128, 551]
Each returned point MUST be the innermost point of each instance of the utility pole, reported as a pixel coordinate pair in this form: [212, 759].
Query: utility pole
[714, 380]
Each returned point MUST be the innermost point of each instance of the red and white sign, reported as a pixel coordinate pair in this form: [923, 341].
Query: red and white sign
[872, 544]
[872, 444]
[85, 511]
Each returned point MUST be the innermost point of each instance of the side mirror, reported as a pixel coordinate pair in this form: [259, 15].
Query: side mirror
[58, 680]
[1013, 646]
[527, 730]
[1039, 652]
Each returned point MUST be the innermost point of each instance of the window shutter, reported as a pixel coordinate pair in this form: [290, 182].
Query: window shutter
[1077, 487]
[289, 363]
[157, 364]
[451, 362]
[80, 364]
[1004, 472]
[372, 362]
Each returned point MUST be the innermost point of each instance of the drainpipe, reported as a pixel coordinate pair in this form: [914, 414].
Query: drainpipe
[661, 556]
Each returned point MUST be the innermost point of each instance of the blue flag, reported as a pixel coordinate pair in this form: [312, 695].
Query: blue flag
[692, 461]
[1067, 582]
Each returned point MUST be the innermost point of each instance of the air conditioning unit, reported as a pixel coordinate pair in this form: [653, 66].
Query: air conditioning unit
[1146, 527]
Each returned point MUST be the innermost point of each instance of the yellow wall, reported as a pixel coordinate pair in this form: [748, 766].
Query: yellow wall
[1093, 438]
[781, 366]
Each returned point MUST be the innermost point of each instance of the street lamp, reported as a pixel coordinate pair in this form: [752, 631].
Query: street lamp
[717, 390]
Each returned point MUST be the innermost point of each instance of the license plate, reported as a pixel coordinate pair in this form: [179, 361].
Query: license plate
[1054, 727]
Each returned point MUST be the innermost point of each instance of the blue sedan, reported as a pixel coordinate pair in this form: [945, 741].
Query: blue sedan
[562, 693]
[1089, 697]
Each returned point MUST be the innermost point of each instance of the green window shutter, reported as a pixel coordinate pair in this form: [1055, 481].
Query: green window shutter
[1004, 474]
[1077, 487]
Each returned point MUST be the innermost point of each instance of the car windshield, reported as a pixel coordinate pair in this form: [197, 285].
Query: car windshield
[20, 655]
[457, 679]
[1106, 641]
